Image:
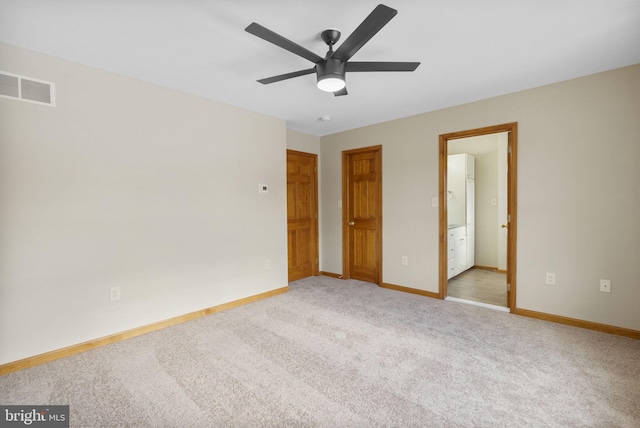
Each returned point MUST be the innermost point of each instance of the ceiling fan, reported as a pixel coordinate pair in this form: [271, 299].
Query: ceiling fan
[331, 69]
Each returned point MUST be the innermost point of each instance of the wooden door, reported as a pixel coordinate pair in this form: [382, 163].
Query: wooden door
[362, 214]
[302, 214]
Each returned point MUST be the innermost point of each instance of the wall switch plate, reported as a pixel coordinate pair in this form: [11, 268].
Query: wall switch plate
[550, 278]
[405, 261]
[605, 285]
[114, 294]
[267, 264]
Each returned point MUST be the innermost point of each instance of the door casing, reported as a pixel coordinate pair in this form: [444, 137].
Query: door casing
[512, 219]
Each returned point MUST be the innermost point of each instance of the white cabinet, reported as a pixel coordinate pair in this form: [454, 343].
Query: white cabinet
[461, 212]
[457, 250]
[451, 254]
[470, 222]
[471, 248]
[470, 166]
[456, 199]
[461, 254]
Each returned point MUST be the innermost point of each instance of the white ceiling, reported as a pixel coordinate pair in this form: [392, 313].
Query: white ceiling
[469, 50]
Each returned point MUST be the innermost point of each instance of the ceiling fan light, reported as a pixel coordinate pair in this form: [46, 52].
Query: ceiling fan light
[332, 83]
[331, 75]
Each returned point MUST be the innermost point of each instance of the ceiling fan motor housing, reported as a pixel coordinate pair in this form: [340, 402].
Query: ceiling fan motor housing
[330, 68]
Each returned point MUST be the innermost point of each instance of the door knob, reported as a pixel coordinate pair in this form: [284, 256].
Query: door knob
[504, 226]
[352, 223]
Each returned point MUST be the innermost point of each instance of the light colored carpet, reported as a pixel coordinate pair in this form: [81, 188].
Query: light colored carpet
[335, 353]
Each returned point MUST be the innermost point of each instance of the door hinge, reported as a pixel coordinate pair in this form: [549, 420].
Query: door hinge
[316, 261]
[509, 218]
[508, 286]
[509, 148]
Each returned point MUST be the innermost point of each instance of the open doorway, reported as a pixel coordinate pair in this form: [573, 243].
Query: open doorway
[478, 216]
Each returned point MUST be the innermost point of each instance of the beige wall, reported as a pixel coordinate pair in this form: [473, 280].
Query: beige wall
[578, 193]
[303, 142]
[132, 185]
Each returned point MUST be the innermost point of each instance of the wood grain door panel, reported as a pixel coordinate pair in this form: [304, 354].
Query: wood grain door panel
[302, 215]
[362, 214]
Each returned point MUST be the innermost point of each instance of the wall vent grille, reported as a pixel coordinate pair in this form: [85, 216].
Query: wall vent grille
[27, 89]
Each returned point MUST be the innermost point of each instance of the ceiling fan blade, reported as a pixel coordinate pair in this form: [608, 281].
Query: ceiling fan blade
[286, 76]
[381, 66]
[373, 23]
[341, 92]
[268, 35]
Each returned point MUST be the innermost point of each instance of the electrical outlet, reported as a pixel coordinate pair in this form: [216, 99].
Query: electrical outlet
[267, 264]
[605, 285]
[550, 278]
[405, 261]
[114, 294]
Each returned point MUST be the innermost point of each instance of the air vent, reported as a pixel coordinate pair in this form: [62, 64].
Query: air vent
[27, 89]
